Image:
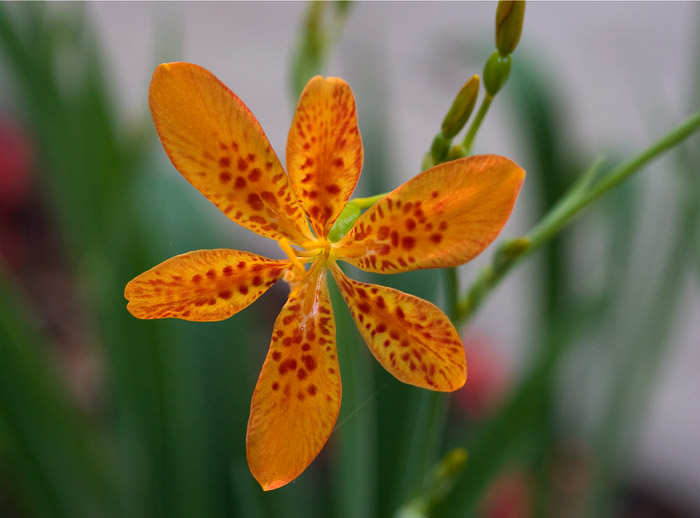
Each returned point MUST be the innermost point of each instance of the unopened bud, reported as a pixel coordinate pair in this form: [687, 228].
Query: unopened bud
[456, 152]
[441, 144]
[428, 162]
[496, 72]
[461, 108]
[509, 25]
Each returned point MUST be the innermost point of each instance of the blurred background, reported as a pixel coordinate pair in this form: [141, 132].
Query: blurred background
[582, 391]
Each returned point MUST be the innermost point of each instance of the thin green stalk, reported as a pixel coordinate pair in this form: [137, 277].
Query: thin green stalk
[427, 423]
[578, 198]
[468, 141]
[451, 291]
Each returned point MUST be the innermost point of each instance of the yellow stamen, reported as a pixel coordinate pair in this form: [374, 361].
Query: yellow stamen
[292, 255]
[317, 243]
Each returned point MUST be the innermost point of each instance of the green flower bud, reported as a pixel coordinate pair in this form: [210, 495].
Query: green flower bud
[427, 162]
[438, 150]
[509, 25]
[496, 72]
[461, 108]
[456, 152]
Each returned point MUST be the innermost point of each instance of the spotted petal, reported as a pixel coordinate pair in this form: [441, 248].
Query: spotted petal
[205, 285]
[217, 144]
[443, 217]
[297, 398]
[409, 336]
[324, 150]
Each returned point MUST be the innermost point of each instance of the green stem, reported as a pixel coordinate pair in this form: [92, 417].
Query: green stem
[577, 198]
[468, 141]
[451, 292]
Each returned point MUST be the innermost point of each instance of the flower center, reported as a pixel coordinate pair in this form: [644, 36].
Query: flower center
[312, 249]
[316, 248]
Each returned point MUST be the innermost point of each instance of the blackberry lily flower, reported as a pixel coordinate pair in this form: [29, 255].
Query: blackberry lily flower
[443, 217]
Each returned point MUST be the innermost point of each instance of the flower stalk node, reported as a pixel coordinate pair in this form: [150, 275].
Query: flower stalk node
[496, 72]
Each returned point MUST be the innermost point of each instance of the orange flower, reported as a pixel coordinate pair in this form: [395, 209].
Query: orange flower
[443, 217]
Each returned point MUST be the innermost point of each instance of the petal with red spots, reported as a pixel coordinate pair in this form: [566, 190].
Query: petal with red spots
[297, 397]
[217, 144]
[443, 217]
[409, 336]
[205, 285]
[324, 150]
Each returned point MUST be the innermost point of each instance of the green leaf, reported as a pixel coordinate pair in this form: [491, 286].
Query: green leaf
[58, 465]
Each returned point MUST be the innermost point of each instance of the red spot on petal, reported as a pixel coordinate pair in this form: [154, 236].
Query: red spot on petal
[242, 165]
[255, 202]
[225, 177]
[255, 175]
[287, 365]
[197, 278]
[224, 161]
[408, 242]
[436, 238]
[226, 294]
[211, 274]
[275, 386]
[312, 390]
[309, 361]
[276, 355]
[228, 270]
[301, 374]
[240, 183]
[410, 224]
